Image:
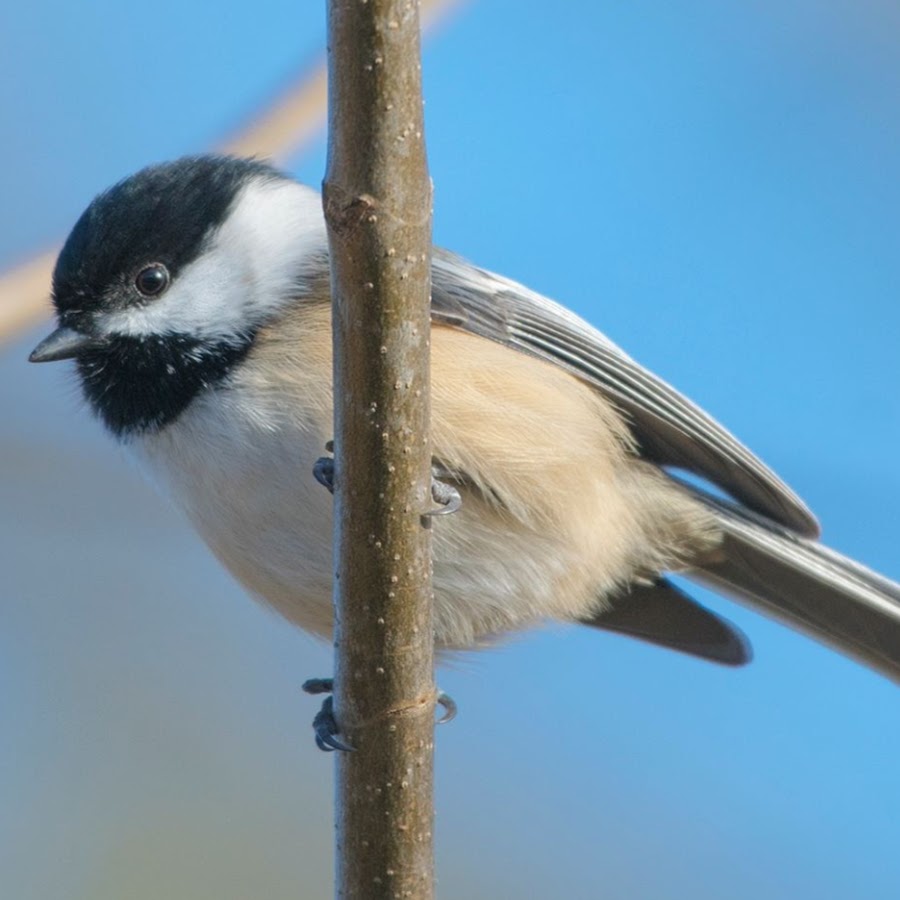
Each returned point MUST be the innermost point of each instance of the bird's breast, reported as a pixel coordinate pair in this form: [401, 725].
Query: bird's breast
[242, 472]
[555, 515]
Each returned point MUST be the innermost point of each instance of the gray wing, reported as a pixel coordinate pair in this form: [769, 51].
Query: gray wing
[670, 430]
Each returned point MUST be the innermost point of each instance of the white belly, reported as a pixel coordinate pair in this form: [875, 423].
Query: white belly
[245, 481]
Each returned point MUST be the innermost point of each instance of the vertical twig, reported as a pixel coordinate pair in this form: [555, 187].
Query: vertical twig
[377, 200]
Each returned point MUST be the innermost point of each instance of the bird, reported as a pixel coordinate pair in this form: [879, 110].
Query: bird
[194, 299]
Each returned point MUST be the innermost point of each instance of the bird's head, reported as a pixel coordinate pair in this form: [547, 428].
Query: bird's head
[168, 275]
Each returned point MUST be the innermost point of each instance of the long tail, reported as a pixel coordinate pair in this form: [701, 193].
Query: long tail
[806, 585]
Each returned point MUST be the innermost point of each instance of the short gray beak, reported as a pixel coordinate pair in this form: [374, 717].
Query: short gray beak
[64, 343]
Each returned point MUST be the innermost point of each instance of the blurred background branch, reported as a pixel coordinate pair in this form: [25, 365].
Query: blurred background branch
[285, 126]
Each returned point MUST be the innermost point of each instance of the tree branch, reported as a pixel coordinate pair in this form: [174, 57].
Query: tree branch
[377, 200]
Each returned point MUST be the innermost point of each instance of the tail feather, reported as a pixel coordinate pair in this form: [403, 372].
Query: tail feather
[660, 613]
[804, 584]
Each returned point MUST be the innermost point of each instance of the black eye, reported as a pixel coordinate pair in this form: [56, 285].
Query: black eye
[153, 280]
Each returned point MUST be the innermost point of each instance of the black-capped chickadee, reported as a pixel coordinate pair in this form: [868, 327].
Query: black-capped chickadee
[194, 298]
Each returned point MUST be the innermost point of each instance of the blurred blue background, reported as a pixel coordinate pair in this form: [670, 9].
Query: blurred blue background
[715, 185]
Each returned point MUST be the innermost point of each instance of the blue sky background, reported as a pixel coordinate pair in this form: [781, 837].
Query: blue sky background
[715, 185]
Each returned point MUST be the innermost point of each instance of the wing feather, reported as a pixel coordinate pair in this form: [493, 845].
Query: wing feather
[669, 429]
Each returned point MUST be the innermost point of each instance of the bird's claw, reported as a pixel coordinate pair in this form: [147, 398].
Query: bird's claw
[326, 728]
[445, 494]
[318, 686]
[325, 725]
[323, 472]
[448, 704]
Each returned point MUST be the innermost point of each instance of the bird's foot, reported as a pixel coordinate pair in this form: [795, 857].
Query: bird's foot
[448, 704]
[326, 727]
[445, 495]
[323, 472]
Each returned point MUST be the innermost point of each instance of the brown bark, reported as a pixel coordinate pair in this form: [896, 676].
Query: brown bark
[377, 200]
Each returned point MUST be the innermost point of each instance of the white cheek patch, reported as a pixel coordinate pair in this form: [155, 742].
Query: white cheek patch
[274, 238]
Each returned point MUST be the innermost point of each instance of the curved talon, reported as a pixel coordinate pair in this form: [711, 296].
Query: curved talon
[324, 724]
[326, 728]
[323, 472]
[445, 494]
[449, 706]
